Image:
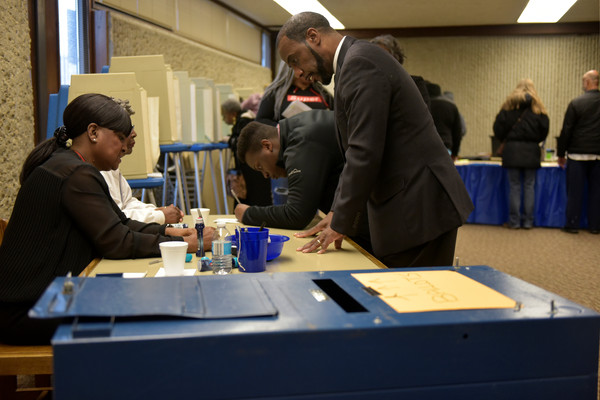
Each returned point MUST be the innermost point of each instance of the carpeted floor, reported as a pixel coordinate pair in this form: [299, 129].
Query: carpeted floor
[563, 263]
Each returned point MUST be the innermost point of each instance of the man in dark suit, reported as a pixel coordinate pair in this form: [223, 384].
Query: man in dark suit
[395, 162]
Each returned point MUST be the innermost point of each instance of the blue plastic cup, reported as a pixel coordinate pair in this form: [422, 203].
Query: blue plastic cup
[252, 250]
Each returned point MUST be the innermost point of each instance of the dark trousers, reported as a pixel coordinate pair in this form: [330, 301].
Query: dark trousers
[525, 178]
[436, 252]
[16, 328]
[580, 173]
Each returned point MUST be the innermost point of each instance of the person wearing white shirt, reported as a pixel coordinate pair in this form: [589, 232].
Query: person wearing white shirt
[133, 208]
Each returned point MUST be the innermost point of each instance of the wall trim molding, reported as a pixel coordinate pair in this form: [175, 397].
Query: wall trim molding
[571, 28]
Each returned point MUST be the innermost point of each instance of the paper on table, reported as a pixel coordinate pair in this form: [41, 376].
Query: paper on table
[186, 272]
[134, 274]
[295, 107]
[226, 220]
[419, 291]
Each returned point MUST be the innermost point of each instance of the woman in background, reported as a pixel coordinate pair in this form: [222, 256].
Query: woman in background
[521, 125]
[287, 88]
[64, 216]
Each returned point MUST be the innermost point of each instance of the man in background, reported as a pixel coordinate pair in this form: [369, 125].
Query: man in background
[446, 118]
[391, 45]
[580, 141]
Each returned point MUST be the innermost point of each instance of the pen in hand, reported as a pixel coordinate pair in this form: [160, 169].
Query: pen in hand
[235, 196]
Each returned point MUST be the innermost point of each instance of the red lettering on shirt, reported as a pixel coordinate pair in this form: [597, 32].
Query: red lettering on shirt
[304, 99]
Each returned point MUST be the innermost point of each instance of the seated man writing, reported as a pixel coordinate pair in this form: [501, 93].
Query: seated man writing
[133, 208]
[304, 149]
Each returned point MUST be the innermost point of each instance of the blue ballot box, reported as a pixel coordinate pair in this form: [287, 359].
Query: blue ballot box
[330, 335]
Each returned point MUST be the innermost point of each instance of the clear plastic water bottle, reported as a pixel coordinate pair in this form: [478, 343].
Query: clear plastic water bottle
[222, 231]
[222, 234]
[221, 257]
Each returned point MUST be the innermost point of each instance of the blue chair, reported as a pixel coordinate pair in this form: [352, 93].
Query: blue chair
[148, 183]
[207, 148]
[57, 103]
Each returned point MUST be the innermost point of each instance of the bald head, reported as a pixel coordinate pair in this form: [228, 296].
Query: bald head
[295, 28]
[307, 43]
[590, 80]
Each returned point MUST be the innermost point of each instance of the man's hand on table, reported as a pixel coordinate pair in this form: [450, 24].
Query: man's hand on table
[240, 209]
[324, 239]
[209, 234]
[173, 215]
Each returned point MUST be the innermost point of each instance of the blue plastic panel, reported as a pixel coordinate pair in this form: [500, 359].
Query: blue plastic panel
[313, 348]
[189, 297]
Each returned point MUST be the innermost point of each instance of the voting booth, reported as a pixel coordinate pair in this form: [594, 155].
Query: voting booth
[157, 78]
[124, 86]
[246, 92]
[421, 333]
[187, 107]
[206, 113]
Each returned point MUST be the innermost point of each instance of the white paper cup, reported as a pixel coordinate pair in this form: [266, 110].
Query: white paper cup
[200, 212]
[205, 213]
[173, 256]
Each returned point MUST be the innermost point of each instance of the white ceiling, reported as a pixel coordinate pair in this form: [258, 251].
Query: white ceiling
[382, 14]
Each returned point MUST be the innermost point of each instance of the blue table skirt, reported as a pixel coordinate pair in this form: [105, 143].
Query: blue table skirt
[487, 185]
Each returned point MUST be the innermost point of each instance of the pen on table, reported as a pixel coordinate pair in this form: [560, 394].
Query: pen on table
[154, 262]
[235, 196]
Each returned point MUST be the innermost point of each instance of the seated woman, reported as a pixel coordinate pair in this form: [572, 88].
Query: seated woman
[64, 216]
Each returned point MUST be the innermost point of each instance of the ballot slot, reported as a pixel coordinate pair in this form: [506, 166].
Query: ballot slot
[339, 295]
[89, 327]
